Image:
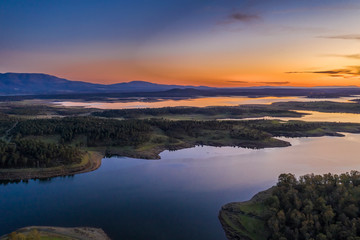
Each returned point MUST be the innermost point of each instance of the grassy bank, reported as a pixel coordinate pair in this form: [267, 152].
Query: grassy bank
[245, 220]
[90, 162]
[56, 233]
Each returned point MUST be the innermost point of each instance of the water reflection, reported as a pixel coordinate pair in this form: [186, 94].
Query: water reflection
[177, 197]
[194, 102]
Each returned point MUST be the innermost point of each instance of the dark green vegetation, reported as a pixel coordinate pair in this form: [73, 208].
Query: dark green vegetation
[30, 109]
[97, 132]
[42, 136]
[35, 109]
[25, 153]
[311, 207]
[323, 106]
[44, 142]
[243, 111]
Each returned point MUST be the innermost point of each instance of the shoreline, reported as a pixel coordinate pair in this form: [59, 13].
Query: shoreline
[93, 162]
[95, 157]
[154, 154]
[78, 233]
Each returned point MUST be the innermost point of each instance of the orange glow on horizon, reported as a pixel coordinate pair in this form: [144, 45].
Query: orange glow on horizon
[281, 80]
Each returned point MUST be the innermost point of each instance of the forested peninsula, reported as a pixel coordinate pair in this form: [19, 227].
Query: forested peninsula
[311, 207]
[34, 146]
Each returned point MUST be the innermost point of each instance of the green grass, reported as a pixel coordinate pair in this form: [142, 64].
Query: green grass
[244, 219]
[84, 161]
[254, 228]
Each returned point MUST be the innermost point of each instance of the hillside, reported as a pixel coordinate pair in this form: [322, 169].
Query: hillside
[39, 83]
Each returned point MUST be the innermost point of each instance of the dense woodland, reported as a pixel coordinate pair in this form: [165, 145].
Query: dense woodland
[235, 111]
[323, 106]
[32, 153]
[60, 140]
[315, 207]
[99, 132]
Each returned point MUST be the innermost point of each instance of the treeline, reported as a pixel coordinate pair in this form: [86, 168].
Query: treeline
[322, 106]
[245, 111]
[133, 132]
[236, 129]
[34, 110]
[290, 129]
[249, 134]
[301, 128]
[99, 132]
[315, 207]
[111, 132]
[31, 153]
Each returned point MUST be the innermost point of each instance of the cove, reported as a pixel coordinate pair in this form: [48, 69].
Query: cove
[177, 197]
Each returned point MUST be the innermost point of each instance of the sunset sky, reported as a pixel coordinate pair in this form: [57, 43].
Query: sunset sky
[195, 42]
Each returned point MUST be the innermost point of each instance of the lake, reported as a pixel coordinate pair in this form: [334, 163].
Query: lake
[192, 102]
[177, 197]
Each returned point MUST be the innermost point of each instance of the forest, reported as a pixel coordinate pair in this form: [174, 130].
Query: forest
[243, 111]
[97, 131]
[315, 207]
[32, 153]
[311, 207]
[142, 133]
[352, 106]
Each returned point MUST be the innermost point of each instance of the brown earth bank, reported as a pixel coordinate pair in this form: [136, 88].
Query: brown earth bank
[45, 232]
[90, 162]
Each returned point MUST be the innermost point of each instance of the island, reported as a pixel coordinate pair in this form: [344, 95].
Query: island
[309, 207]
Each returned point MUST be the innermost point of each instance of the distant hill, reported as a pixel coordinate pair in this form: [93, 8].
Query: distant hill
[39, 83]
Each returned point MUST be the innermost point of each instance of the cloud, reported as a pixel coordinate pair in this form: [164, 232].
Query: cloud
[348, 72]
[275, 83]
[352, 56]
[336, 71]
[345, 37]
[242, 17]
[235, 81]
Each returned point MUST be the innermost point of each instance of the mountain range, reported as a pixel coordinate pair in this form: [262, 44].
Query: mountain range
[28, 85]
[39, 83]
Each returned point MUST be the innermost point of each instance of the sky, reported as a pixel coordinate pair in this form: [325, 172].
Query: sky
[222, 43]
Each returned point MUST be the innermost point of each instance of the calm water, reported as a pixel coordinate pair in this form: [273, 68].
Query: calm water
[177, 197]
[195, 102]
